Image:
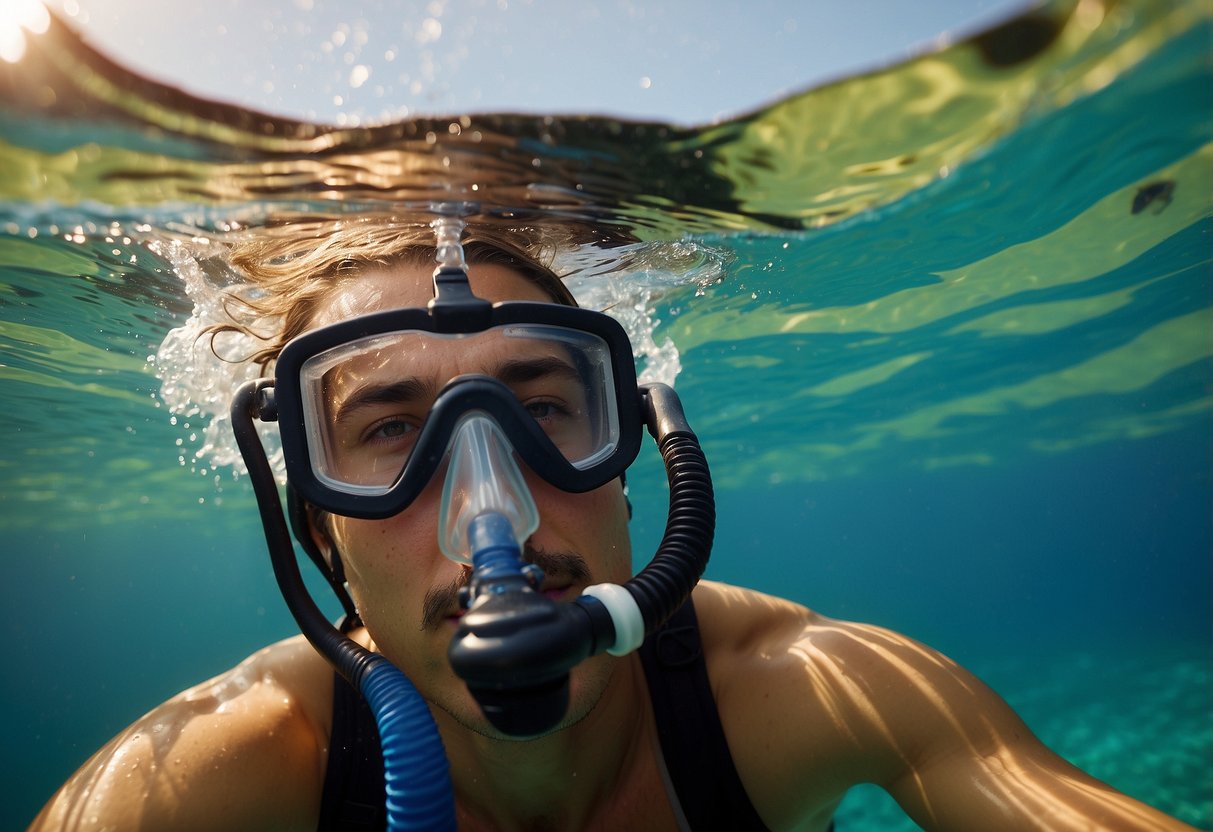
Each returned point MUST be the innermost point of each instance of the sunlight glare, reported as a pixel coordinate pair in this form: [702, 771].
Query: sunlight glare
[15, 17]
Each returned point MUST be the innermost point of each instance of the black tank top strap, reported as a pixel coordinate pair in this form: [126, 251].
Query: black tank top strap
[693, 742]
[353, 798]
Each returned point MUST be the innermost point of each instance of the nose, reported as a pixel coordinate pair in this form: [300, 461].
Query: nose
[482, 477]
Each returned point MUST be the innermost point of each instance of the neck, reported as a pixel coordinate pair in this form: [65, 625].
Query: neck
[559, 781]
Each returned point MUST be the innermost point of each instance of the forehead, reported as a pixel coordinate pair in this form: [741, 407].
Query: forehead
[429, 361]
[405, 285]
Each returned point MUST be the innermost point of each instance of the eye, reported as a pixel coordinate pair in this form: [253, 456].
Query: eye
[540, 410]
[390, 430]
[544, 409]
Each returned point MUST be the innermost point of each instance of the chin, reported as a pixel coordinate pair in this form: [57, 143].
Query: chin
[587, 684]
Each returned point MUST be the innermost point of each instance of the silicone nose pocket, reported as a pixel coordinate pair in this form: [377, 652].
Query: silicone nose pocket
[482, 477]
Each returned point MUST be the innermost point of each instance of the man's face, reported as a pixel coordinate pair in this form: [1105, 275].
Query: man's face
[404, 587]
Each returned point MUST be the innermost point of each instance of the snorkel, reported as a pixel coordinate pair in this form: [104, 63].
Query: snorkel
[417, 780]
[514, 647]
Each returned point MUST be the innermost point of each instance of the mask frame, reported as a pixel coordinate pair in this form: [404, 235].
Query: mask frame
[458, 396]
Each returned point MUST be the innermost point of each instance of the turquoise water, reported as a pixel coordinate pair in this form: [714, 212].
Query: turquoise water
[974, 407]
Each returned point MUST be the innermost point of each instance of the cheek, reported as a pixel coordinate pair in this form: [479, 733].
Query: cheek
[395, 555]
[607, 512]
[594, 524]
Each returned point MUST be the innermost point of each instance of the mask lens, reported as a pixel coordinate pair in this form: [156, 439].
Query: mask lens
[366, 402]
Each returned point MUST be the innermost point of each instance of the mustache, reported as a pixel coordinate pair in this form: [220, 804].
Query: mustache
[441, 599]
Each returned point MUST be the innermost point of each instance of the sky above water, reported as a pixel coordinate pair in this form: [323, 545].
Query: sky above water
[684, 61]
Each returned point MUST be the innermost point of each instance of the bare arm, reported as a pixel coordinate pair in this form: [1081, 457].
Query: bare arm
[242, 751]
[813, 706]
[951, 752]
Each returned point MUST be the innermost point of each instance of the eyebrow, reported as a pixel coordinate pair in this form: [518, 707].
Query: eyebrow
[369, 395]
[514, 371]
[519, 370]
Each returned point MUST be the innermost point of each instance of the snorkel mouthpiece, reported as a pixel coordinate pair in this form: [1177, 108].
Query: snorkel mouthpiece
[511, 647]
[487, 512]
[514, 647]
[482, 478]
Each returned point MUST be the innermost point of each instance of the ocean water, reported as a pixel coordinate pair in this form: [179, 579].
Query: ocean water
[944, 330]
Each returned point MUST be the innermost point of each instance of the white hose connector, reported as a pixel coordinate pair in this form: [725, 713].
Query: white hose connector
[625, 615]
[449, 231]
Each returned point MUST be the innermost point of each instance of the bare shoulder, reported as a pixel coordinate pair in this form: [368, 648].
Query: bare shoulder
[735, 619]
[762, 680]
[244, 750]
[845, 687]
[812, 705]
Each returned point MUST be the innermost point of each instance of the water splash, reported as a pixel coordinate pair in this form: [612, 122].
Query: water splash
[199, 369]
[629, 283]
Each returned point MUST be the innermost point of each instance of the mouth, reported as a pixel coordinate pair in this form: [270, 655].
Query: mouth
[552, 590]
[555, 592]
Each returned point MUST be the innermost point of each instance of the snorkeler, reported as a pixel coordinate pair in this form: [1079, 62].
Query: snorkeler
[737, 710]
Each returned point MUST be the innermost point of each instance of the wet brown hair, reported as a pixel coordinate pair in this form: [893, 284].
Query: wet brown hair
[293, 268]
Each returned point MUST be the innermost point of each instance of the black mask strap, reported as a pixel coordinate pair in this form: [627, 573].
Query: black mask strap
[331, 567]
